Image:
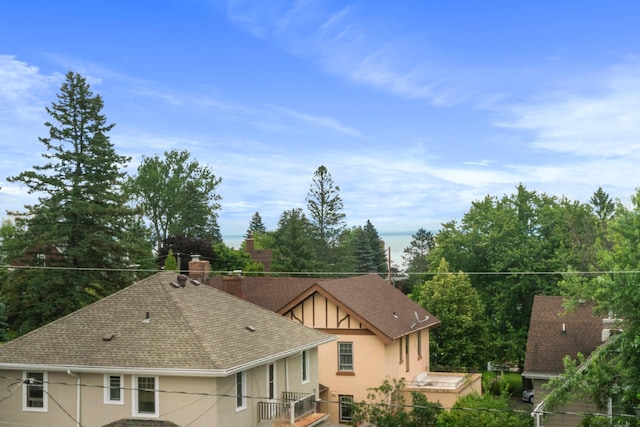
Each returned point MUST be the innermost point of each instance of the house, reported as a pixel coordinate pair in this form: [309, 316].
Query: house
[555, 333]
[165, 351]
[382, 334]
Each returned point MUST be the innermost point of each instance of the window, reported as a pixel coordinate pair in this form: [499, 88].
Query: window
[406, 352]
[305, 366]
[113, 389]
[34, 391]
[345, 356]
[271, 381]
[241, 391]
[346, 408]
[145, 396]
[419, 338]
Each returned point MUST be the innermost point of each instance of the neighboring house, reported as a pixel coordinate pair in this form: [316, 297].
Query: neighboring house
[382, 334]
[165, 351]
[553, 334]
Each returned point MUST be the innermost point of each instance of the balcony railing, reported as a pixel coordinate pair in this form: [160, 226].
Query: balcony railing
[292, 407]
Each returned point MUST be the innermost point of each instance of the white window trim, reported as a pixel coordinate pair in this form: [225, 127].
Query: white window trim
[134, 388]
[45, 394]
[340, 369]
[348, 399]
[243, 392]
[107, 390]
[305, 366]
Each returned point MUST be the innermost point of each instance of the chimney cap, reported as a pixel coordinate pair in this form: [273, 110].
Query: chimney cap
[195, 257]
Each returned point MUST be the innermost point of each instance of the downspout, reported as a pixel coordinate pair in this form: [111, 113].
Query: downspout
[77, 396]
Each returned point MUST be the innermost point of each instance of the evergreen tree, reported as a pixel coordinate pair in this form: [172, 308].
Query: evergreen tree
[415, 257]
[325, 208]
[81, 215]
[255, 226]
[603, 206]
[369, 250]
[293, 243]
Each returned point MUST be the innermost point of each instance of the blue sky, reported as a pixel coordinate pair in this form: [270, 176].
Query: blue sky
[416, 108]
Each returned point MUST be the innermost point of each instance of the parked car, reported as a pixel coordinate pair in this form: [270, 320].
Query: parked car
[527, 395]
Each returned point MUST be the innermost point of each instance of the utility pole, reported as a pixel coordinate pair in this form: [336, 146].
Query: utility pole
[389, 264]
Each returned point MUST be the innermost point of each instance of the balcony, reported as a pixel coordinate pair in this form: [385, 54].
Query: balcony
[294, 409]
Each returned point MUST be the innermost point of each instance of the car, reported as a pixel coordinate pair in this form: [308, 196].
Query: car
[527, 395]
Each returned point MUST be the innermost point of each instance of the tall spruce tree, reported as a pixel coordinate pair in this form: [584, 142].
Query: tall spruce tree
[256, 225]
[80, 223]
[325, 208]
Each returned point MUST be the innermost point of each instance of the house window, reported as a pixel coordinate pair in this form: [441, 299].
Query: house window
[345, 356]
[271, 381]
[241, 391]
[346, 408]
[113, 389]
[305, 366]
[406, 352]
[145, 396]
[34, 391]
[419, 340]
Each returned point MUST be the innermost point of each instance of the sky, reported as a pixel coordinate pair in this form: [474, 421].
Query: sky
[416, 108]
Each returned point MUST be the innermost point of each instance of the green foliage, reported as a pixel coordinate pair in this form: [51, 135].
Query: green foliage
[81, 223]
[385, 406]
[483, 411]
[415, 257]
[512, 237]
[229, 259]
[461, 340]
[293, 242]
[178, 196]
[325, 208]
[255, 226]
[503, 383]
[170, 262]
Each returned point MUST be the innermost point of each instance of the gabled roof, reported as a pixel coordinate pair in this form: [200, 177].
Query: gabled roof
[381, 307]
[193, 329]
[555, 333]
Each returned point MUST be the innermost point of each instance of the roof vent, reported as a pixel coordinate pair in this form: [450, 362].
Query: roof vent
[196, 282]
[175, 285]
[147, 318]
[250, 328]
[108, 337]
[182, 280]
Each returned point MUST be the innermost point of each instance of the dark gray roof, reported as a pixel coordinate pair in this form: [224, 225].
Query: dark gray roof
[548, 342]
[189, 328]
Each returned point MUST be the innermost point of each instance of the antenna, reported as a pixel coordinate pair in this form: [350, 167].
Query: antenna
[418, 320]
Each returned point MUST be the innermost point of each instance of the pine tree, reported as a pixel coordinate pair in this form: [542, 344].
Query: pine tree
[325, 207]
[255, 226]
[82, 214]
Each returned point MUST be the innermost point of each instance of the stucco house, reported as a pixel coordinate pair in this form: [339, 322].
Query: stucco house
[555, 333]
[382, 334]
[165, 351]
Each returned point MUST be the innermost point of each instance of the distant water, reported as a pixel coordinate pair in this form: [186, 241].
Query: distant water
[393, 241]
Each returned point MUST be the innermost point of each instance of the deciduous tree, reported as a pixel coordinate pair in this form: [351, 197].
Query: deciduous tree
[178, 196]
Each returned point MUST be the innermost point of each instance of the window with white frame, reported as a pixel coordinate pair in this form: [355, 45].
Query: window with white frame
[305, 367]
[34, 391]
[346, 408]
[241, 391]
[145, 396]
[113, 389]
[345, 356]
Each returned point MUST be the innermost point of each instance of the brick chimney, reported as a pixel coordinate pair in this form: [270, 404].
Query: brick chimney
[249, 244]
[233, 285]
[198, 268]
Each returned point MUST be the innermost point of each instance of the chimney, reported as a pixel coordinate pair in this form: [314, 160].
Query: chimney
[233, 285]
[249, 244]
[182, 280]
[198, 269]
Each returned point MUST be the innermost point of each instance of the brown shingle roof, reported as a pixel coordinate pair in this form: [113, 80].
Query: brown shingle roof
[369, 298]
[190, 328]
[547, 344]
